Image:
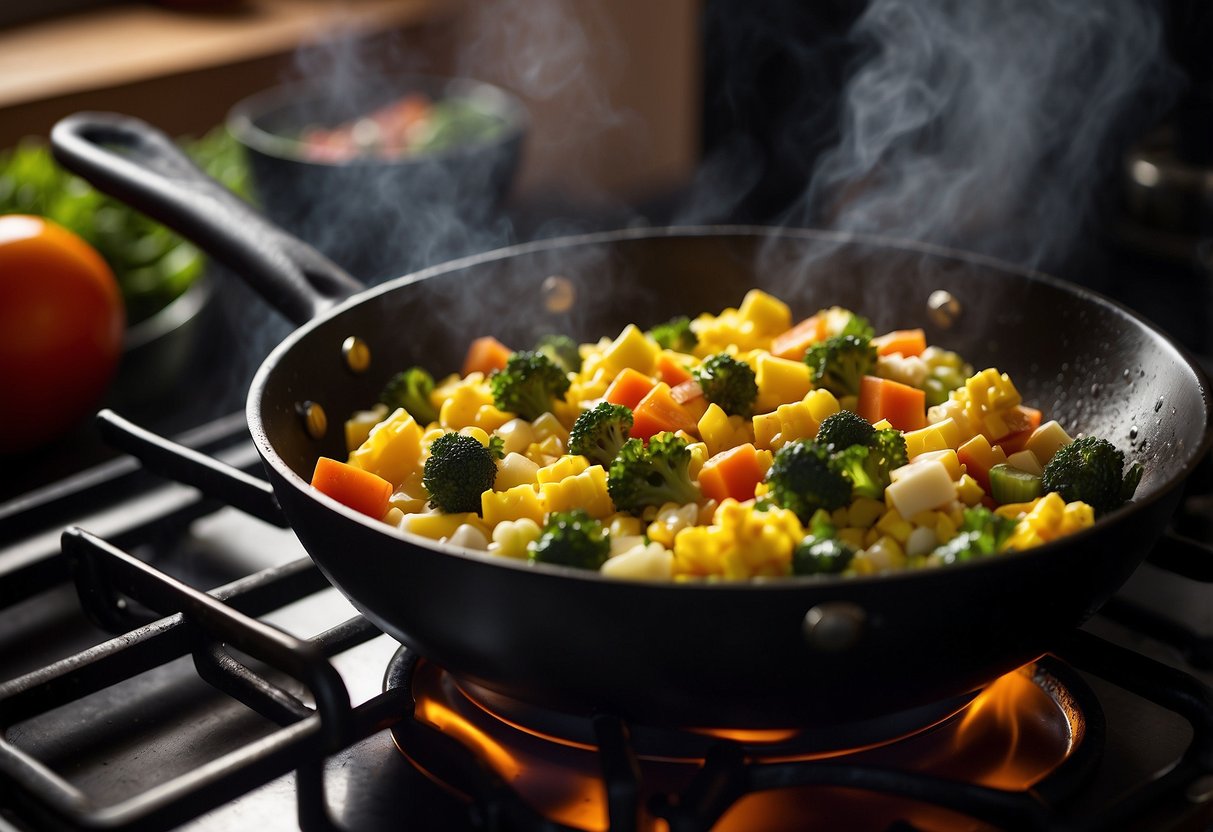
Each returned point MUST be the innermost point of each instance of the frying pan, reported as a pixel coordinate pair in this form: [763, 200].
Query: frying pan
[790, 652]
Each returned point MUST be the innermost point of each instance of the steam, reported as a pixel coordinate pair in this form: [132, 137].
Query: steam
[987, 125]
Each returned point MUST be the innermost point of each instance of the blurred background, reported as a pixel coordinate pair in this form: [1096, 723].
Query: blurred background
[392, 134]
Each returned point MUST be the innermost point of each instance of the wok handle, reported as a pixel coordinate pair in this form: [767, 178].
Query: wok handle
[141, 166]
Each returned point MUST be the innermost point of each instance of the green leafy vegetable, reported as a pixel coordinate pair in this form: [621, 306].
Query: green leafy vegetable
[599, 434]
[1090, 469]
[459, 469]
[411, 390]
[728, 383]
[572, 538]
[529, 385]
[651, 475]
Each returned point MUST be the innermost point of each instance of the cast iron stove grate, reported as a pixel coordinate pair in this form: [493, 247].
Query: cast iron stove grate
[159, 619]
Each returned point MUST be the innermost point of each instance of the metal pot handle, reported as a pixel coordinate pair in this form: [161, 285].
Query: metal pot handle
[138, 164]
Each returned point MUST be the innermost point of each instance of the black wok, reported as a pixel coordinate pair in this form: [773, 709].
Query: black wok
[788, 652]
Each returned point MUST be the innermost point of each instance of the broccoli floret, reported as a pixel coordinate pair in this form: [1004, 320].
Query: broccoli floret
[802, 480]
[411, 390]
[869, 467]
[858, 326]
[652, 475]
[727, 383]
[675, 334]
[459, 469]
[1089, 469]
[981, 534]
[821, 552]
[840, 362]
[572, 538]
[562, 350]
[528, 385]
[844, 429]
[598, 434]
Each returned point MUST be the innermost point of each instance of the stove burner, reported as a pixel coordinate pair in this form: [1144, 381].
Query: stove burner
[1010, 737]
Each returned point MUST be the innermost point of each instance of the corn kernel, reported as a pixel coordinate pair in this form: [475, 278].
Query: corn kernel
[894, 526]
[769, 314]
[1047, 440]
[969, 491]
[780, 381]
[514, 504]
[437, 526]
[622, 525]
[587, 490]
[547, 426]
[392, 449]
[864, 511]
[512, 539]
[631, 349]
[945, 529]
[852, 537]
[358, 426]
[568, 465]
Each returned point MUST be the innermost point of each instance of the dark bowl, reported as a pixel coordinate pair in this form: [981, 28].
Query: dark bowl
[375, 216]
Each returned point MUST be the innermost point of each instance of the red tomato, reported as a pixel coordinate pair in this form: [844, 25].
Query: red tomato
[61, 326]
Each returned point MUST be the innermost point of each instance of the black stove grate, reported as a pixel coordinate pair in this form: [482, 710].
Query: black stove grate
[160, 619]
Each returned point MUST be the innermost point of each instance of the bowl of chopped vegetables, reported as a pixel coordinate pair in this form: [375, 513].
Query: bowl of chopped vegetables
[366, 171]
[162, 277]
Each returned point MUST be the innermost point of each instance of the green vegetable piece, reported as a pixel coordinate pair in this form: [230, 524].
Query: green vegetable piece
[459, 469]
[844, 429]
[563, 351]
[675, 334]
[947, 371]
[981, 534]
[572, 538]
[1090, 469]
[411, 390]
[651, 475]
[821, 552]
[529, 385]
[802, 480]
[858, 326]
[1009, 484]
[840, 362]
[869, 467]
[821, 556]
[598, 434]
[728, 383]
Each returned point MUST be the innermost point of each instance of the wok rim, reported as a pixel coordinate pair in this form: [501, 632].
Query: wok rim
[792, 582]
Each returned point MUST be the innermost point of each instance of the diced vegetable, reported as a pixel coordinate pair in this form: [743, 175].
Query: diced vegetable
[657, 412]
[978, 457]
[655, 450]
[360, 490]
[628, 388]
[903, 406]
[921, 486]
[795, 342]
[1011, 485]
[906, 342]
[732, 473]
[485, 355]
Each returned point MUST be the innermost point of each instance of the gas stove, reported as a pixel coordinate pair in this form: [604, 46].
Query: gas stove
[171, 661]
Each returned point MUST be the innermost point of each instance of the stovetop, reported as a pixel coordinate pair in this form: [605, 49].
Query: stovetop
[120, 717]
[185, 733]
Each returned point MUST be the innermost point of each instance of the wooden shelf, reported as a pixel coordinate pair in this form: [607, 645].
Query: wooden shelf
[127, 43]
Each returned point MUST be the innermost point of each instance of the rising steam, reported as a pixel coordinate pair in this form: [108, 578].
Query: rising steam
[987, 124]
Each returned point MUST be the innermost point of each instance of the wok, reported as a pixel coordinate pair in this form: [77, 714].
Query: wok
[790, 652]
